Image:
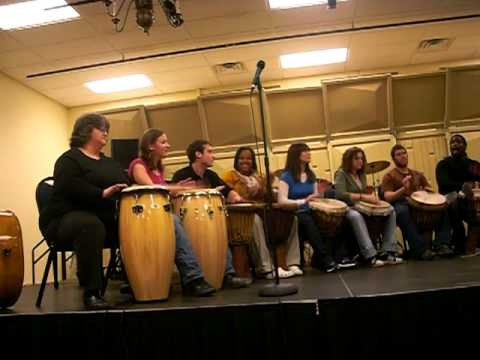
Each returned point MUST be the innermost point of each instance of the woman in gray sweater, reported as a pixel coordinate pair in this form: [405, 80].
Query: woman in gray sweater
[350, 187]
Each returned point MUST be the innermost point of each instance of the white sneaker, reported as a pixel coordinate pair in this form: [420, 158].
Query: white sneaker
[283, 274]
[296, 270]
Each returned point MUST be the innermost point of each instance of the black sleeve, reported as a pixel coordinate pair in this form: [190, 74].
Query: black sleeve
[445, 183]
[68, 182]
[215, 181]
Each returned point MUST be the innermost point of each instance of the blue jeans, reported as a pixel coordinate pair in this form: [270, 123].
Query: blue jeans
[409, 228]
[185, 257]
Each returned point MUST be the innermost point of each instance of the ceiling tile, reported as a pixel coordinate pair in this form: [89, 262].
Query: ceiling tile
[18, 58]
[8, 43]
[73, 49]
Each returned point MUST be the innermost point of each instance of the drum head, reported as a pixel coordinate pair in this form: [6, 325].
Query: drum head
[381, 208]
[329, 205]
[427, 198]
[476, 194]
[142, 188]
[245, 206]
[197, 192]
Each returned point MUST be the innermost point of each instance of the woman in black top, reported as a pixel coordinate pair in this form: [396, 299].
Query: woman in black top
[82, 209]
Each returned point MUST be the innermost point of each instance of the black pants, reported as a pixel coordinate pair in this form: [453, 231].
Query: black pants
[322, 247]
[86, 234]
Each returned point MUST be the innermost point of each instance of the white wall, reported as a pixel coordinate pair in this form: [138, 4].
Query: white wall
[33, 133]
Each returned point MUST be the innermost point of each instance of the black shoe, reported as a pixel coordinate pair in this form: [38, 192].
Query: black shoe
[95, 302]
[427, 255]
[233, 282]
[198, 287]
[346, 263]
[445, 251]
[330, 266]
[126, 289]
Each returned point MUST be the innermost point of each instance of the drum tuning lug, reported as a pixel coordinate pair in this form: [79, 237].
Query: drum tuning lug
[137, 209]
[7, 251]
[210, 212]
[167, 208]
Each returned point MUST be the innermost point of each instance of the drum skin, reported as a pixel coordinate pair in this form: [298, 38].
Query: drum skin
[375, 216]
[329, 215]
[427, 209]
[147, 242]
[202, 212]
[11, 259]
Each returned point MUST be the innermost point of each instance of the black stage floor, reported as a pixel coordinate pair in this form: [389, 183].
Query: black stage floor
[417, 308]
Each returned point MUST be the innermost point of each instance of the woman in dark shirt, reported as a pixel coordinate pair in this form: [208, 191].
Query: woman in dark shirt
[81, 212]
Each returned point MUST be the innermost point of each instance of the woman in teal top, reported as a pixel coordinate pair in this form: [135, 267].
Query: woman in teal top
[298, 185]
[350, 187]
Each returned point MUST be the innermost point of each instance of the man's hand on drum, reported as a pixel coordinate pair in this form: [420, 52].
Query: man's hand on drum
[188, 183]
[112, 190]
[370, 198]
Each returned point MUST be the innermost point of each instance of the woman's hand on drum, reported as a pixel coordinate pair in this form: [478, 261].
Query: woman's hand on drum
[311, 197]
[370, 198]
[112, 190]
[233, 197]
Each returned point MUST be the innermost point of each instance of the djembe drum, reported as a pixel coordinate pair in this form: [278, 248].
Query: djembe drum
[427, 210]
[329, 215]
[240, 222]
[147, 240]
[202, 212]
[11, 259]
[375, 216]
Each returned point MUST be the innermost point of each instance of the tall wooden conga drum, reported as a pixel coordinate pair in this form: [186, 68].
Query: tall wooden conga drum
[202, 212]
[11, 259]
[147, 240]
[375, 216]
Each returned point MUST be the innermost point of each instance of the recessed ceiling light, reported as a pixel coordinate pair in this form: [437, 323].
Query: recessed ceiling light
[123, 83]
[313, 58]
[286, 4]
[33, 13]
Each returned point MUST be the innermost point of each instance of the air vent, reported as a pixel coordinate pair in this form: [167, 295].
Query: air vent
[230, 68]
[436, 44]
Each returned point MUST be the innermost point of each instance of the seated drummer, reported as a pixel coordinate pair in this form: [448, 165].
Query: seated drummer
[201, 157]
[147, 170]
[81, 212]
[399, 183]
[453, 175]
[245, 180]
[350, 187]
[298, 185]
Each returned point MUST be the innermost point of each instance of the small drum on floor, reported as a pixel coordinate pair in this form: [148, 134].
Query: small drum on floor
[329, 215]
[11, 259]
[240, 222]
[375, 216]
[147, 240]
[202, 212]
[427, 210]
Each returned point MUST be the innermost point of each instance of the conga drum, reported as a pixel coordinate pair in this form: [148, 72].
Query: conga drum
[147, 240]
[240, 222]
[427, 210]
[11, 259]
[329, 215]
[202, 212]
[473, 220]
[375, 216]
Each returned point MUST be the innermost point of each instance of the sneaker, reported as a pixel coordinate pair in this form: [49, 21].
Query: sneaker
[375, 262]
[391, 259]
[285, 274]
[427, 255]
[445, 251]
[330, 267]
[234, 282]
[296, 270]
[346, 263]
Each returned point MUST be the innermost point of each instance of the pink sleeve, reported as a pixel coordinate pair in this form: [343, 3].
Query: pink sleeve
[132, 164]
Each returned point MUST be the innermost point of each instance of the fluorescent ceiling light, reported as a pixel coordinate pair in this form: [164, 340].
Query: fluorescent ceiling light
[286, 4]
[33, 13]
[119, 84]
[313, 58]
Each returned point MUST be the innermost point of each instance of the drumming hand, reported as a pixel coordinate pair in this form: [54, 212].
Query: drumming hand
[407, 182]
[370, 198]
[112, 190]
[233, 197]
[188, 182]
[311, 197]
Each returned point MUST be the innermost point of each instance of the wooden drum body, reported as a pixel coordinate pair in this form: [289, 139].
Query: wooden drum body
[11, 259]
[202, 212]
[427, 209]
[473, 216]
[375, 216]
[240, 223]
[473, 219]
[147, 241]
[329, 215]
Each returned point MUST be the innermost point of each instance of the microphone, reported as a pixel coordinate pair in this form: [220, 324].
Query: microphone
[256, 78]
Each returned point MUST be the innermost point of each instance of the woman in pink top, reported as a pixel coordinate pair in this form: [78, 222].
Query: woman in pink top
[148, 169]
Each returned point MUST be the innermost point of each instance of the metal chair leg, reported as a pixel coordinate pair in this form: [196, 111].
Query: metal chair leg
[55, 270]
[51, 256]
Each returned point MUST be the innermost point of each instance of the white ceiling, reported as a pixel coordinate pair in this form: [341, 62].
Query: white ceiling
[91, 40]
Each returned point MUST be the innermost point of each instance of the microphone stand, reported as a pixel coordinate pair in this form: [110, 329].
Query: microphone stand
[272, 289]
